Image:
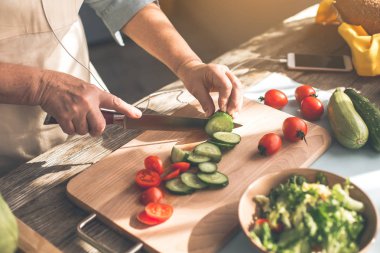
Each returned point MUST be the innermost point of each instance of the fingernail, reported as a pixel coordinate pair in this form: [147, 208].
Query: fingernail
[137, 112]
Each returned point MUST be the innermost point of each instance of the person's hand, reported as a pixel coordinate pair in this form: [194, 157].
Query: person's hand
[200, 79]
[75, 104]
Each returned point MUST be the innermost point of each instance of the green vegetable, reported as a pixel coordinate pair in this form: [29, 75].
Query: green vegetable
[209, 150]
[370, 114]
[176, 186]
[348, 127]
[227, 137]
[178, 155]
[192, 181]
[219, 122]
[312, 215]
[8, 229]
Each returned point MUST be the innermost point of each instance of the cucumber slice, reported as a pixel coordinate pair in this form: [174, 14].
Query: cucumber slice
[208, 167]
[195, 158]
[178, 155]
[192, 181]
[215, 179]
[219, 122]
[227, 137]
[176, 186]
[221, 145]
[209, 150]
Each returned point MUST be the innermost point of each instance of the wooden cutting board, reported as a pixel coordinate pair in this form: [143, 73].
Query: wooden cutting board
[204, 220]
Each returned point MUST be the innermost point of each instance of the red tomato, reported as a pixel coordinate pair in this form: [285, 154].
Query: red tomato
[182, 166]
[171, 175]
[154, 163]
[147, 178]
[261, 221]
[304, 91]
[153, 194]
[275, 98]
[278, 228]
[269, 144]
[159, 211]
[311, 108]
[294, 129]
[147, 220]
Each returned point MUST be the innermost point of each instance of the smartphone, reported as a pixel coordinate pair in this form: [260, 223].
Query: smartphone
[341, 63]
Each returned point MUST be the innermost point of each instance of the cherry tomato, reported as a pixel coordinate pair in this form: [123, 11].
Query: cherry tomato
[269, 144]
[294, 129]
[171, 175]
[261, 221]
[311, 108]
[275, 98]
[182, 166]
[147, 220]
[154, 163]
[152, 194]
[159, 211]
[278, 228]
[304, 91]
[147, 178]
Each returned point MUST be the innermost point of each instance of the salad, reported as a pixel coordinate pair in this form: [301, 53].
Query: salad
[301, 216]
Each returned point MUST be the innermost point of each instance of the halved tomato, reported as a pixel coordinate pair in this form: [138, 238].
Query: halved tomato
[171, 175]
[153, 162]
[152, 194]
[182, 166]
[147, 220]
[159, 211]
[147, 178]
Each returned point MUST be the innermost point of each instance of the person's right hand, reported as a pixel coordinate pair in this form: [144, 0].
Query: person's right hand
[75, 104]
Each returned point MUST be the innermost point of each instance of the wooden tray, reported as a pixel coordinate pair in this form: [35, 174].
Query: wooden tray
[204, 220]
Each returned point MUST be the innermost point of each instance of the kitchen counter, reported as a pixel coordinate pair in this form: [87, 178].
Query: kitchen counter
[36, 191]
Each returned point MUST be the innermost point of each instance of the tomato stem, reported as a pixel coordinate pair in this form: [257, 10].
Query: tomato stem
[261, 99]
[262, 150]
[301, 135]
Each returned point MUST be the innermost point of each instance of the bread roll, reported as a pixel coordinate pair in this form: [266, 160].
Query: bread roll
[360, 12]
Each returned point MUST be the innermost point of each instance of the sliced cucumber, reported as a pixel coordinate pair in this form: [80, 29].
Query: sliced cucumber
[195, 158]
[227, 137]
[221, 145]
[218, 122]
[178, 155]
[192, 181]
[208, 167]
[176, 186]
[209, 150]
[215, 179]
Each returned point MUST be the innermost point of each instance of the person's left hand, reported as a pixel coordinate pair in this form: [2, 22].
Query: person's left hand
[200, 79]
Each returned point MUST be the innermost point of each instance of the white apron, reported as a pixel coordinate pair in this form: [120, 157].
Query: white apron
[26, 38]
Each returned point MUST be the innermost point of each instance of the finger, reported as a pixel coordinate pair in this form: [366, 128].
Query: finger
[236, 99]
[80, 125]
[113, 102]
[204, 98]
[67, 126]
[224, 87]
[96, 123]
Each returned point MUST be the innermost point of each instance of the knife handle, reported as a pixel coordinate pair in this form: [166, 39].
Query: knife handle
[109, 116]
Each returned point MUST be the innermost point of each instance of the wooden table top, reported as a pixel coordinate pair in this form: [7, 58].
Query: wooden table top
[36, 191]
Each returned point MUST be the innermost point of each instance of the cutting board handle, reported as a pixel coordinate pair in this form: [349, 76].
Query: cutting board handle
[97, 245]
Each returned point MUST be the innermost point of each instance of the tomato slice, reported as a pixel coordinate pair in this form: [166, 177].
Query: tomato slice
[171, 175]
[152, 194]
[147, 178]
[159, 211]
[153, 162]
[147, 220]
[182, 166]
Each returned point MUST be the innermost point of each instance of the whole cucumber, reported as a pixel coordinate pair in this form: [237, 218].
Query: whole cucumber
[348, 127]
[370, 114]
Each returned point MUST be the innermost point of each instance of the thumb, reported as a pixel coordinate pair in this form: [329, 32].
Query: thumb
[110, 101]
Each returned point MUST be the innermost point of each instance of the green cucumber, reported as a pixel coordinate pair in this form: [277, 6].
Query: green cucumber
[176, 186]
[178, 155]
[208, 167]
[214, 179]
[192, 181]
[221, 145]
[195, 158]
[348, 127]
[219, 122]
[209, 150]
[370, 113]
[227, 137]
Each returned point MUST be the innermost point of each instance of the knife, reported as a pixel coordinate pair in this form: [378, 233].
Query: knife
[149, 121]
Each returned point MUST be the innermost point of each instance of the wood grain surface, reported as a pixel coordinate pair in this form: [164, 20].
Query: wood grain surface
[203, 220]
[36, 191]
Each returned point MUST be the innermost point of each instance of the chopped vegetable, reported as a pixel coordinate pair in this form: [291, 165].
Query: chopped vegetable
[147, 178]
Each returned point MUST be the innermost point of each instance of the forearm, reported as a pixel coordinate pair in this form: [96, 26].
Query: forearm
[19, 84]
[153, 31]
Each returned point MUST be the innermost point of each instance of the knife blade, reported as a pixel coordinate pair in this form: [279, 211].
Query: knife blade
[150, 121]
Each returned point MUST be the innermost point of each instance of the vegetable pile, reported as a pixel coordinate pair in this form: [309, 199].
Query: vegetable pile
[300, 216]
